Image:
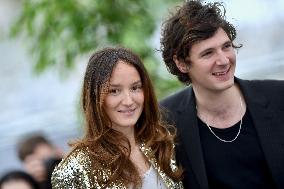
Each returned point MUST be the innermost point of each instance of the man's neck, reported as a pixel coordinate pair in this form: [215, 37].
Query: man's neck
[220, 109]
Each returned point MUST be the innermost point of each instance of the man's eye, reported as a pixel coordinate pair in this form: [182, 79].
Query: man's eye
[206, 54]
[228, 45]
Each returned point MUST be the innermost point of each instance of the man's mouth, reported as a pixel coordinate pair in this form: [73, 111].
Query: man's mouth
[220, 73]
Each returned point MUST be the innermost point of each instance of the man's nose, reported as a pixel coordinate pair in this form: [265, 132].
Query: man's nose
[222, 58]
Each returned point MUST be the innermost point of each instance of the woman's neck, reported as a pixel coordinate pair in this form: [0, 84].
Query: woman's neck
[136, 156]
[128, 132]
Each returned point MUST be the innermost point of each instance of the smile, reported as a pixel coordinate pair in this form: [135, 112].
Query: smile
[220, 73]
[127, 111]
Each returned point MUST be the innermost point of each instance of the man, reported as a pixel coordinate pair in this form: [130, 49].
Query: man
[39, 158]
[230, 131]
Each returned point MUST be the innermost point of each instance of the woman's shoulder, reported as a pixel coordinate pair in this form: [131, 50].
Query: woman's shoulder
[77, 158]
[72, 170]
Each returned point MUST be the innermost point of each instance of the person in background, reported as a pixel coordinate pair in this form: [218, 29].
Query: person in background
[39, 157]
[18, 179]
[126, 145]
[230, 131]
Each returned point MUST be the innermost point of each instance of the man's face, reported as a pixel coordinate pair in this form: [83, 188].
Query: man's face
[212, 63]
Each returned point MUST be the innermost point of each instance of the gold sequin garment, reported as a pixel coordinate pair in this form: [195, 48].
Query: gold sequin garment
[75, 172]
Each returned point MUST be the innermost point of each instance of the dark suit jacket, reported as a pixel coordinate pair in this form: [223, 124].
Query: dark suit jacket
[265, 101]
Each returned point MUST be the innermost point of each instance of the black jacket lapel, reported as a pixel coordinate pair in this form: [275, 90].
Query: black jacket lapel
[189, 135]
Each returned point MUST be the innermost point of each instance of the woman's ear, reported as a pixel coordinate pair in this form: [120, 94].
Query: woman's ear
[182, 66]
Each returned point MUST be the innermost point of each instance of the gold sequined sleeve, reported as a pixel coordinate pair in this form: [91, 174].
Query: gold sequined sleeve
[179, 185]
[71, 174]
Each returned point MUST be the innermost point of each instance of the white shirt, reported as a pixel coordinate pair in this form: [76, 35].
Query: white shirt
[152, 180]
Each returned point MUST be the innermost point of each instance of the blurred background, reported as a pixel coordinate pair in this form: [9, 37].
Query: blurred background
[45, 45]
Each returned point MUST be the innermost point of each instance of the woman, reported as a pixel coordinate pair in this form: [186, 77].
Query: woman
[125, 144]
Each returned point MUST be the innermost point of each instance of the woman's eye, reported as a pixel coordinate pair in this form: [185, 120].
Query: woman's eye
[113, 91]
[136, 88]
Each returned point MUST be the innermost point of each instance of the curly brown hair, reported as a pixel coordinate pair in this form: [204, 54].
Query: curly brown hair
[191, 23]
[108, 145]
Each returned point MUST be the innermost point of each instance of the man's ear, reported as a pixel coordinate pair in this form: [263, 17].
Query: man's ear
[182, 66]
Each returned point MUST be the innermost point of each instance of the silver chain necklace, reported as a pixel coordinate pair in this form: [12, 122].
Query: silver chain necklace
[240, 127]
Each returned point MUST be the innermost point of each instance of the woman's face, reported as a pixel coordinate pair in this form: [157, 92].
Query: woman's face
[125, 98]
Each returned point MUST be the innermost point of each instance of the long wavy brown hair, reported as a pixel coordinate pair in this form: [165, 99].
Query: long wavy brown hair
[110, 147]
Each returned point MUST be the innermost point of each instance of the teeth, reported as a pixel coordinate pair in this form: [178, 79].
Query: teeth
[219, 73]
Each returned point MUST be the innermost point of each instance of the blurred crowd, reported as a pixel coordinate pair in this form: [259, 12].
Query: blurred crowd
[38, 157]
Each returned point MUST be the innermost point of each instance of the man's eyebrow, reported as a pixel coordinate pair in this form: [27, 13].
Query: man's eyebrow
[212, 48]
[205, 50]
[228, 41]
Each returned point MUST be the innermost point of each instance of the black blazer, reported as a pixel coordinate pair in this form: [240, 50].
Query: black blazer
[265, 101]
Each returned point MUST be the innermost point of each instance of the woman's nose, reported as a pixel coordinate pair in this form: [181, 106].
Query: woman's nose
[127, 99]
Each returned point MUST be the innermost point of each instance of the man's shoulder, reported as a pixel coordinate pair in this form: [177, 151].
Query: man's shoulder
[177, 97]
[270, 83]
[267, 85]
[270, 91]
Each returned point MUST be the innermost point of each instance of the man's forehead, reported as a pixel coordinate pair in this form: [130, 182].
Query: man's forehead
[218, 39]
